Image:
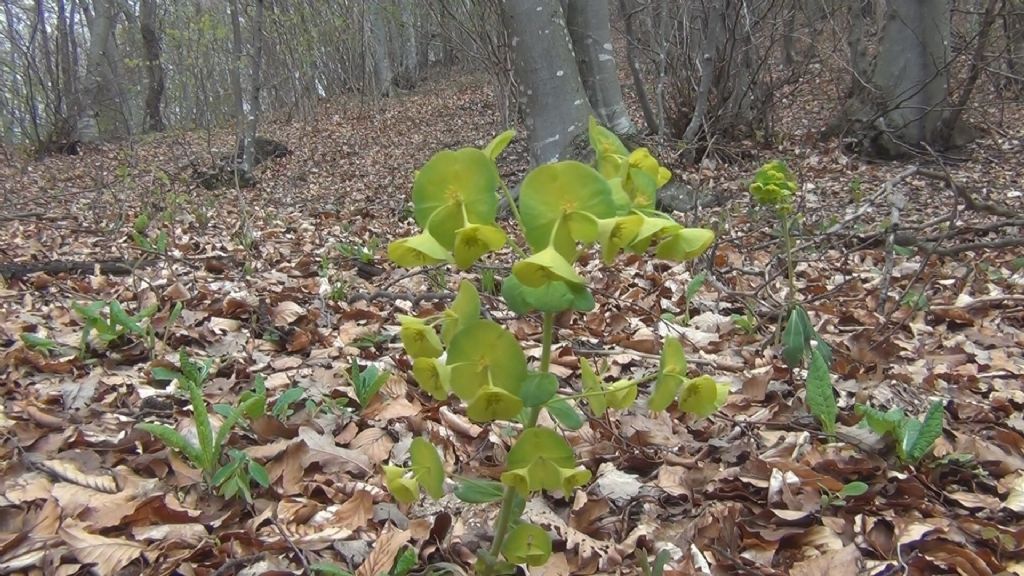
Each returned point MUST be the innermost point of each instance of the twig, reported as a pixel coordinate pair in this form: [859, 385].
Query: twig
[898, 202]
[230, 566]
[386, 295]
[725, 366]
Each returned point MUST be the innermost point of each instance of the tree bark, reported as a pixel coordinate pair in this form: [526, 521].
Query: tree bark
[100, 29]
[628, 11]
[235, 72]
[590, 29]
[911, 71]
[552, 98]
[255, 85]
[378, 35]
[149, 28]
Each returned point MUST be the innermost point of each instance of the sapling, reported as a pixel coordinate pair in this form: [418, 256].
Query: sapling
[561, 207]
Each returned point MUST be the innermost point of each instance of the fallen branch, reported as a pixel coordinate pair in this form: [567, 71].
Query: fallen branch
[111, 267]
[386, 295]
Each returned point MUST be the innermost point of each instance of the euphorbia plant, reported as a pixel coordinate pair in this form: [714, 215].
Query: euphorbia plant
[563, 207]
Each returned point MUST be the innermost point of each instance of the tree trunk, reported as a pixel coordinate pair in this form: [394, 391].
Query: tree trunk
[255, 84]
[149, 28]
[378, 35]
[552, 99]
[911, 73]
[628, 12]
[100, 28]
[235, 72]
[410, 54]
[66, 66]
[1013, 25]
[590, 30]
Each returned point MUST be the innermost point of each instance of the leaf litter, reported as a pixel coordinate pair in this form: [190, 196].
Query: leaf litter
[289, 281]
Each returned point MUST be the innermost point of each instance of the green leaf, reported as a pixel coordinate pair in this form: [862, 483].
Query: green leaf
[452, 187]
[671, 375]
[492, 403]
[550, 193]
[855, 488]
[928, 433]
[328, 569]
[527, 544]
[165, 374]
[538, 389]
[821, 398]
[368, 383]
[484, 353]
[174, 440]
[224, 472]
[419, 339]
[464, 310]
[498, 144]
[401, 483]
[545, 267]
[37, 342]
[478, 491]
[565, 413]
[404, 563]
[685, 244]
[699, 396]
[419, 250]
[621, 394]
[473, 241]
[121, 318]
[593, 388]
[427, 467]
[795, 338]
[283, 402]
[258, 473]
[432, 376]
[694, 285]
[551, 297]
[204, 430]
[881, 422]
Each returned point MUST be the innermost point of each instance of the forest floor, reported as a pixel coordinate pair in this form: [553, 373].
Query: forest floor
[290, 280]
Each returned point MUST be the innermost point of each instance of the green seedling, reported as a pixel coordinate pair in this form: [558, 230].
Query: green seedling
[656, 568]
[913, 437]
[692, 288]
[821, 396]
[747, 323]
[488, 282]
[207, 452]
[797, 338]
[108, 322]
[849, 490]
[563, 208]
[42, 345]
[367, 383]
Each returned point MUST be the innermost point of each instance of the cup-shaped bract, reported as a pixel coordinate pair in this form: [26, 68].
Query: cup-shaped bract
[419, 250]
[464, 310]
[485, 354]
[419, 339]
[454, 189]
[553, 191]
[527, 544]
[427, 467]
[433, 376]
[541, 459]
[475, 240]
[544, 267]
[402, 484]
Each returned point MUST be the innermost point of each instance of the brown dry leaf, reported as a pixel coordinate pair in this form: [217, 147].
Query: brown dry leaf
[382, 557]
[324, 451]
[843, 562]
[107, 554]
[69, 471]
[285, 313]
[375, 443]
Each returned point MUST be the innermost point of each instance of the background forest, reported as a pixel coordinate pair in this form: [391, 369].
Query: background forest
[211, 363]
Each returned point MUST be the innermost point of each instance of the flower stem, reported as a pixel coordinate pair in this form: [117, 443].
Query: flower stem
[501, 525]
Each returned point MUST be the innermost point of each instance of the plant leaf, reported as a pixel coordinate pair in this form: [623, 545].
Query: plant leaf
[821, 398]
[479, 491]
[565, 413]
[527, 544]
[855, 488]
[794, 339]
[174, 440]
[538, 389]
[930, 431]
[427, 467]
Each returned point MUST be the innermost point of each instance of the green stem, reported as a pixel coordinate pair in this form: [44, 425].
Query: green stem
[502, 524]
[787, 240]
[519, 219]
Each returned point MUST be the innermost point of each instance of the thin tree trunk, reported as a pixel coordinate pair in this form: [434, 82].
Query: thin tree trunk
[378, 28]
[255, 84]
[590, 29]
[235, 72]
[551, 96]
[951, 121]
[95, 69]
[149, 28]
[628, 9]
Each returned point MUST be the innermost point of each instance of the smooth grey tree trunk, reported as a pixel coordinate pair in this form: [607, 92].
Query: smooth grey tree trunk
[551, 95]
[235, 71]
[378, 36]
[149, 29]
[911, 71]
[100, 29]
[255, 85]
[410, 54]
[590, 29]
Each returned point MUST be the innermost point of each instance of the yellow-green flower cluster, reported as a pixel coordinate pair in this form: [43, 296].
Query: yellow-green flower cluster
[774, 185]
